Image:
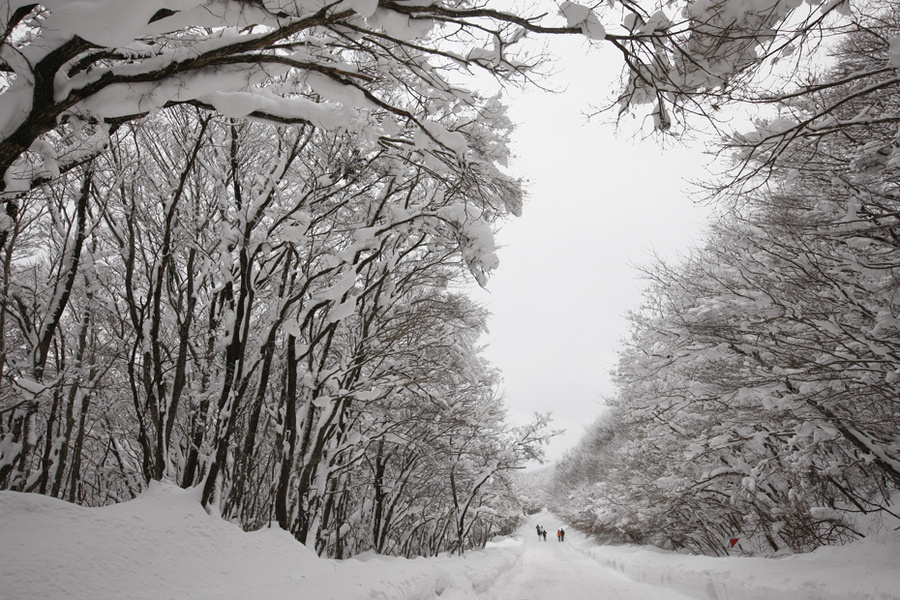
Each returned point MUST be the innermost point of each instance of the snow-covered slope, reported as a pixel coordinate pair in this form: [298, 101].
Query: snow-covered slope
[163, 545]
[867, 570]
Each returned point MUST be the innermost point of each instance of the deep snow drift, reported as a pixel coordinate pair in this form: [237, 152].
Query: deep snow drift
[163, 545]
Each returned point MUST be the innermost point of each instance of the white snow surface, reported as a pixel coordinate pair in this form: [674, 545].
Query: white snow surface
[163, 545]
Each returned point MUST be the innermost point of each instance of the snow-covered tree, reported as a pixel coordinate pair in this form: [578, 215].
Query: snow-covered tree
[756, 396]
[74, 72]
[231, 228]
[266, 289]
[848, 97]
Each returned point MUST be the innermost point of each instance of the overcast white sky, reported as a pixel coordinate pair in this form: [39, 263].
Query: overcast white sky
[600, 203]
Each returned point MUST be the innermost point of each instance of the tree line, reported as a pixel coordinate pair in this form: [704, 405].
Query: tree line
[269, 312]
[757, 396]
[234, 231]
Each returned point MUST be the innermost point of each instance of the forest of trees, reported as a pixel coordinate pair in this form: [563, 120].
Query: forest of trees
[758, 395]
[273, 311]
[234, 235]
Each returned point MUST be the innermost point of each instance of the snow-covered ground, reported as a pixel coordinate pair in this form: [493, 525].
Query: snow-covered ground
[163, 545]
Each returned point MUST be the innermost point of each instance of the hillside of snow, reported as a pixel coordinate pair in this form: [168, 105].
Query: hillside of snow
[163, 545]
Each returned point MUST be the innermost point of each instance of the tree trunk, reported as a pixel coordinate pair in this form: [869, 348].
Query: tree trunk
[289, 437]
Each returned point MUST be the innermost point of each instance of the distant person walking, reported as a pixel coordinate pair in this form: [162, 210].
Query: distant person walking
[544, 533]
[562, 534]
[538, 531]
[559, 535]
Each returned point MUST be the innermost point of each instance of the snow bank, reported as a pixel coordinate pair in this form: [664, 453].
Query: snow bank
[866, 570]
[163, 545]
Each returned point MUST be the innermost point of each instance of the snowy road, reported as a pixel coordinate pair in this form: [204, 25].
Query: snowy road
[563, 571]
